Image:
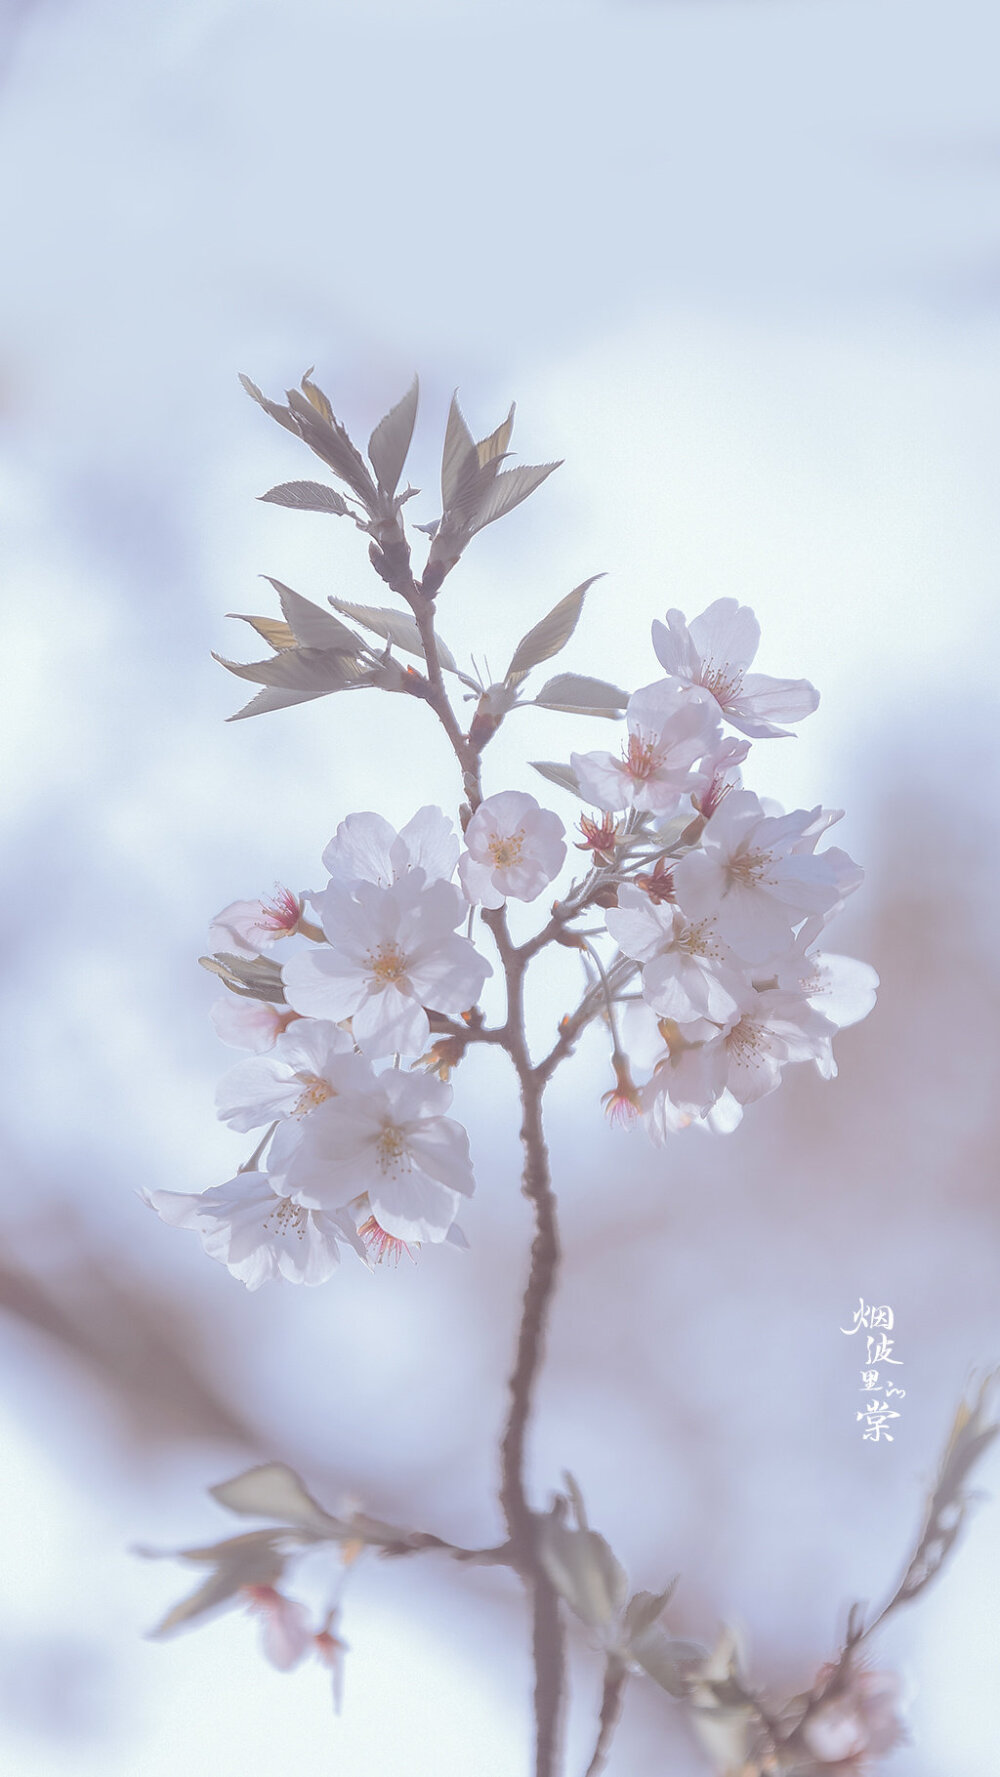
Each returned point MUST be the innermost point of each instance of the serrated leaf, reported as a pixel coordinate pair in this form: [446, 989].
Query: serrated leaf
[259, 1564]
[551, 634]
[583, 1570]
[274, 408]
[329, 439]
[666, 1661]
[496, 444]
[276, 634]
[563, 775]
[316, 396]
[390, 441]
[311, 626]
[273, 1490]
[397, 627]
[582, 696]
[460, 458]
[252, 977]
[509, 488]
[310, 670]
[308, 496]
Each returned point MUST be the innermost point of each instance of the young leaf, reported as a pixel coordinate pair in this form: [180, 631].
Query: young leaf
[312, 671]
[276, 634]
[252, 977]
[329, 440]
[273, 1490]
[308, 496]
[646, 1608]
[583, 1570]
[316, 397]
[563, 775]
[496, 444]
[250, 1560]
[274, 408]
[582, 696]
[390, 441]
[460, 461]
[509, 488]
[397, 627]
[668, 1662]
[552, 634]
[311, 626]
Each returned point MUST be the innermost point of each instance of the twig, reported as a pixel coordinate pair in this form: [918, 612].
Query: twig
[615, 1679]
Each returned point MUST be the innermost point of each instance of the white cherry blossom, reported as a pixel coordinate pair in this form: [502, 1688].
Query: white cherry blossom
[257, 1232]
[668, 731]
[391, 952]
[390, 1140]
[515, 848]
[713, 653]
[773, 1029]
[688, 972]
[308, 1064]
[751, 875]
[366, 848]
[842, 988]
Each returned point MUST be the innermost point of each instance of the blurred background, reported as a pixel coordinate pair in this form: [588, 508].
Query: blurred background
[739, 263]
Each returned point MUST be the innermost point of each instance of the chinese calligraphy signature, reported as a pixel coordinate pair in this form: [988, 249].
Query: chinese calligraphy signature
[878, 1414]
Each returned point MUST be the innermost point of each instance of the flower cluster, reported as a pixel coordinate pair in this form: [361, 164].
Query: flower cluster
[715, 902]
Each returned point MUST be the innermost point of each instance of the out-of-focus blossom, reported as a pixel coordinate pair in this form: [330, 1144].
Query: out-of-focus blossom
[366, 848]
[859, 1721]
[286, 1632]
[391, 952]
[688, 972]
[750, 874]
[248, 927]
[515, 848]
[712, 654]
[244, 1023]
[331, 1650]
[390, 1139]
[255, 1230]
[668, 731]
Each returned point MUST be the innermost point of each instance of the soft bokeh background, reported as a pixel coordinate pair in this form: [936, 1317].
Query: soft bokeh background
[740, 265]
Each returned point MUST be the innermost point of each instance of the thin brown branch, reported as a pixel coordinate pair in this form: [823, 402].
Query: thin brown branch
[615, 1680]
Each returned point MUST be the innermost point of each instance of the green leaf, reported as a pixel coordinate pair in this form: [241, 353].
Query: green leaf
[390, 441]
[582, 696]
[276, 634]
[509, 488]
[327, 437]
[312, 671]
[563, 775]
[666, 1661]
[252, 977]
[496, 444]
[273, 1490]
[274, 408]
[460, 459]
[551, 634]
[308, 496]
[397, 627]
[311, 626]
[646, 1608]
[583, 1570]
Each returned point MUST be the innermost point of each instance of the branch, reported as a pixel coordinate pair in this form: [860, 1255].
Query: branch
[615, 1679]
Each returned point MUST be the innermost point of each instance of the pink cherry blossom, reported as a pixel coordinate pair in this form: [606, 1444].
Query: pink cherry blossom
[248, 927]
[688, 972]
[713, 655]
[668, 731]
[515, 848]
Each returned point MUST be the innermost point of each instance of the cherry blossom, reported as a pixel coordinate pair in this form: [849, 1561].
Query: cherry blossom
[248, 927]
[392, 951]
[713, 653]
[251, 1227]
[331, 1650]
[366, 848]
[308, 1063]
[284, 1623]
[752, 874]
[668, 730]
[515, 848]
[688, 972]
[859, 1721]
[245, 1023]
[390, 1139]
